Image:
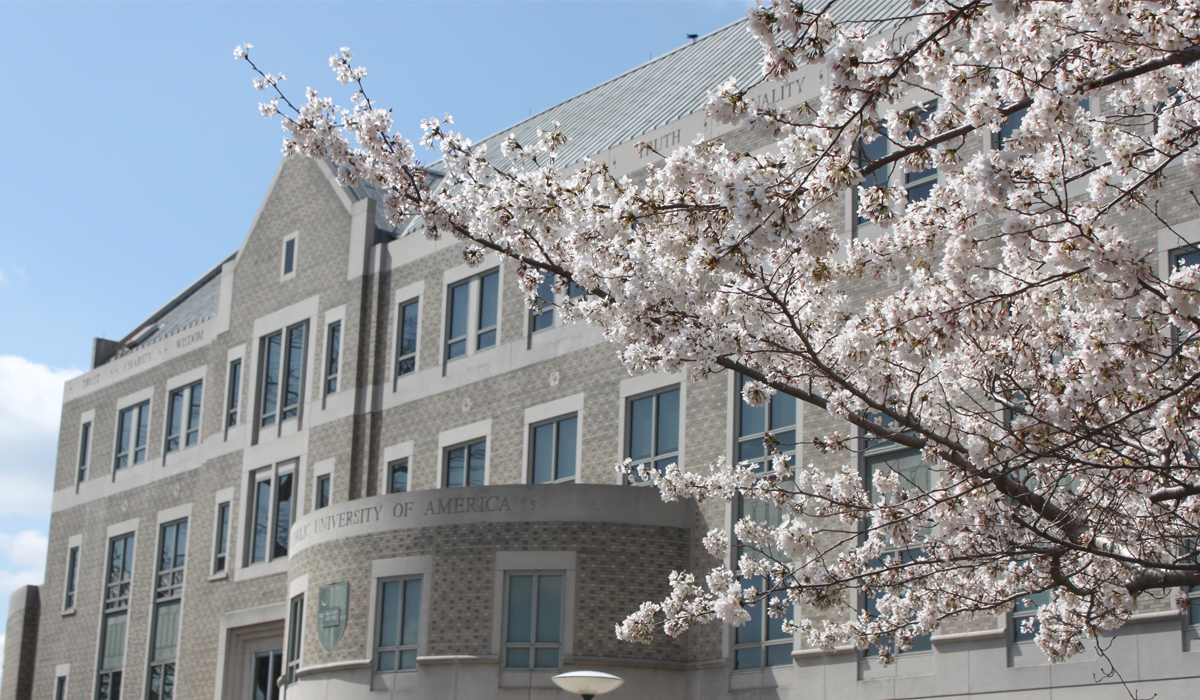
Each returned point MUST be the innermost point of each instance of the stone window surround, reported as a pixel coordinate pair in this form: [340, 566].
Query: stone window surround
[242, 568]
[73, 542]
[294, 237]
[88, 416]
[543, 413]
[238, 632]
[232, 432]
[145, 395]
[635, 387]
[166, 516]
[407, 293]
[331, 316]
[63, 671]
[394, 453]
[461, 435]
[533, 561]
[411, 567]
[323, 468]
[252, 371]
[121, 529]
[180, 381]
[224, 496]
[452, 277]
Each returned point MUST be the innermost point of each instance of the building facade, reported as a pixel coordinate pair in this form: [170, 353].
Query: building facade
[344, 464]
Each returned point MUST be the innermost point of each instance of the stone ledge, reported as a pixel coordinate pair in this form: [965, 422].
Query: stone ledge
[458, 659]
[817, 651]
[644, 663]
[335, 666]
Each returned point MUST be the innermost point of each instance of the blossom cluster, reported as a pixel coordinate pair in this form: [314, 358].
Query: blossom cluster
[1035, 352]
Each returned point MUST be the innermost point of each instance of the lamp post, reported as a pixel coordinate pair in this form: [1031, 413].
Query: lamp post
[588, 683]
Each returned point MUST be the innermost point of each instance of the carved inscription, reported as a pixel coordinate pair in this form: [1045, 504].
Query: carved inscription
[400, 512]
[190, 338]
[662, 143]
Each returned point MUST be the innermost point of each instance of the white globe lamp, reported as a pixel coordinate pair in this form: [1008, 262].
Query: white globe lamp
[588, 683]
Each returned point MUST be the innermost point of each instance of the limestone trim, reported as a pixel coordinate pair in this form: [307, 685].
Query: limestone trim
[238, 630]
[817, 651]
[458, 659]
[179, 512]
[334, 667]
[122, 528]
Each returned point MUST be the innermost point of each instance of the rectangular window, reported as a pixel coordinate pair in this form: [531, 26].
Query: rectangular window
[919, 185]
[864, 155]
[221, 548]
[267, 666]
[133, 431]
[652, 431]
[117, 582]
[283, 375]
[1024, 617]
[533, 620]
[542, 317]
[323, 484]
[465, 464]
[779, 419]
[553, 449]
[289, 256]
[762, 642]
[1010, 124]
[272, 515]
[399, 625]
[168, 591]
[72, 578]
[406, 345]
[398, 476]
[60, 688]
[295, 638]
[183, 417]
[333, 358]
[85, 450]
[235, 388]
[473, 326]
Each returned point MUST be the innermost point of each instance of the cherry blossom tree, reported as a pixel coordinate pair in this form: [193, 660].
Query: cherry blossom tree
[1035, 353]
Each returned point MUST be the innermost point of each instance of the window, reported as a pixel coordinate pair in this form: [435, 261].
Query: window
[117, 581]
[865, 154]
[281, 394]
[295, 637]
[1007, 128]
[60, 688]
[915, 475]
[133, 429]
[398, 476]
[1024, 617]
[761, 642]
[1193, 611]
[553, 450]
[235, 387]
[919, 185]
[266, 670]
[183, 417]
[72, 578]
[399, 625]
[533, 620]
[333, 355]
[271, 517]
[85, 449]
[168, 592]
[406, 345]
[473, 326]
[542, 317]
[1183, 257]
[222, 535]
[653, 430]
[465, 464]
[323, 484]
[289, 256]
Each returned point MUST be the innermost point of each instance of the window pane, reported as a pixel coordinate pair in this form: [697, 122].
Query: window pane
[271, 378]
[520, 609]
[489, 297]
[458, 315]
[751, 449]
[752, 420]
[641, 418]
[193, 423]
[918, 193]
[783, 411]
[549, 609]
[752, 631]
[222, 527]
[166, 553]
[389, 614]
[478, 453]
[748, 658]
[335, 351]
[112, 654]
[323, 492]
[517, 658]
[263, 682]
[408, 659]
[174, 418]
[566, 448]
[408, 329]
[455, 462]
[289, 256]
[543, 453]
[543, 320]
[914, 473]
[262, 520]
[235, 383]
[295, 364]
[779, 655]
[166, 631]
[387, 661]
[283, 515]
[399, 477]
[546, 658]
[412, 612]
[143, 433]
[668, 423]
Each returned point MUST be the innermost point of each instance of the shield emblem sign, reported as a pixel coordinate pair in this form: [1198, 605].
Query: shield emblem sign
[332, 605]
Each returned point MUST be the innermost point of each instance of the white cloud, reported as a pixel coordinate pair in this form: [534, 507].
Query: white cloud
[26, 548]
[30, 410]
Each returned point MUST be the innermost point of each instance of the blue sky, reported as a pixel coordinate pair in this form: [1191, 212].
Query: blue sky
[136, 158]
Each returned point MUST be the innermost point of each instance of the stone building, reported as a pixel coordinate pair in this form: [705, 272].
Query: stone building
[343, 464]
